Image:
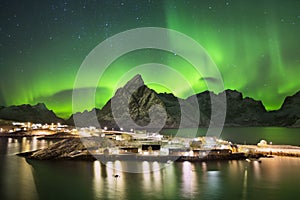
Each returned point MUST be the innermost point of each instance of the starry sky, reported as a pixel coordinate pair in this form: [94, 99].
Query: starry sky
[255, 45]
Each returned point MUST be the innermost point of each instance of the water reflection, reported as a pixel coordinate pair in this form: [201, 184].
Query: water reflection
[256, 169]
[146, 176]
[152, 176]
[16, 175]
[97, 179]
[114, 180]
[156, 177]
[213, 188]
[28, 187]
[189, 180]
[273, 178]
[170, 182]
[23, 144]
[245, 184]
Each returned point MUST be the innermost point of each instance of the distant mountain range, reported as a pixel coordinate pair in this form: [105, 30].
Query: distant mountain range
[240, 111]
[38, 113]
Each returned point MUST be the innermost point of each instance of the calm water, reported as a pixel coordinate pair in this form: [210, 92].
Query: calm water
[250, 135]
[276, 178]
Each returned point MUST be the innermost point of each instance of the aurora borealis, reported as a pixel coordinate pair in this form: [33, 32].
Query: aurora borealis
[255, 45]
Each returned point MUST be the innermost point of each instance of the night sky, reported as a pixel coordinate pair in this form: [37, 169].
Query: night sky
[254, 43]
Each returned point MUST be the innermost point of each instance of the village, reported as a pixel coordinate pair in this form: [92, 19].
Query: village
[110, 144]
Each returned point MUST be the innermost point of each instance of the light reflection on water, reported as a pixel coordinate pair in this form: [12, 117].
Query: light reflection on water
[17, 180]
[245, 185]
[23, 144]
[97, 179]
[274, 178]
[189, 180]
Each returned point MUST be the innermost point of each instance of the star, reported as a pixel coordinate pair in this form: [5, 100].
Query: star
[267, 32]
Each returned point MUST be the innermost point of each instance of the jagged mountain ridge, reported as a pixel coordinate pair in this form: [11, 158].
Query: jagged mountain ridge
[139, 103]
[240, 111]
[28, 113]
[289, 113]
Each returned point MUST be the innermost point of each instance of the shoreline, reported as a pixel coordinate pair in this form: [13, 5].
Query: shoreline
[137, 157]
[70, 147]
[86, 156]
[277, 150]
[75, 150]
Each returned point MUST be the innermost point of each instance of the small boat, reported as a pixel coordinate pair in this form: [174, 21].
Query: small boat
[116, 175]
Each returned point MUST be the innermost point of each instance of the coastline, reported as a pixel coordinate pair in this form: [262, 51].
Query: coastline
[73, 149]
[136, 157]
[275, 150]
[68, 146]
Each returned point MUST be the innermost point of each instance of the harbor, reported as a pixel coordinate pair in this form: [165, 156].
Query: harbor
[108, 144]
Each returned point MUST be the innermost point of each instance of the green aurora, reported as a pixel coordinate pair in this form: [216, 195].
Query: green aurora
[255, 45]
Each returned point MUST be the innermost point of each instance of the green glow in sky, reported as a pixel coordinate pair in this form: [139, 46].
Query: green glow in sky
[255, 45]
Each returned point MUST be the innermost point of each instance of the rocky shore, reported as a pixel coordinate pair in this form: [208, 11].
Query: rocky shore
[76, 149]
[67, 149]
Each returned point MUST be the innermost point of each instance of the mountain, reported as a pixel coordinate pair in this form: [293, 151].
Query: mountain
[243, 111]
[289, 113]
[134, 100]
[135, 103]
[27, 113]
[131, 105]
[86, 118]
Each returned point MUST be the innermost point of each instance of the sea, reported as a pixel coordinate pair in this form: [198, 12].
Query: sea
[273, 178]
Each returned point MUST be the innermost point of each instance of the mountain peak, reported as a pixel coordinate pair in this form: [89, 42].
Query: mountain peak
[134, 83]
[137, 77]
[41, 106]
